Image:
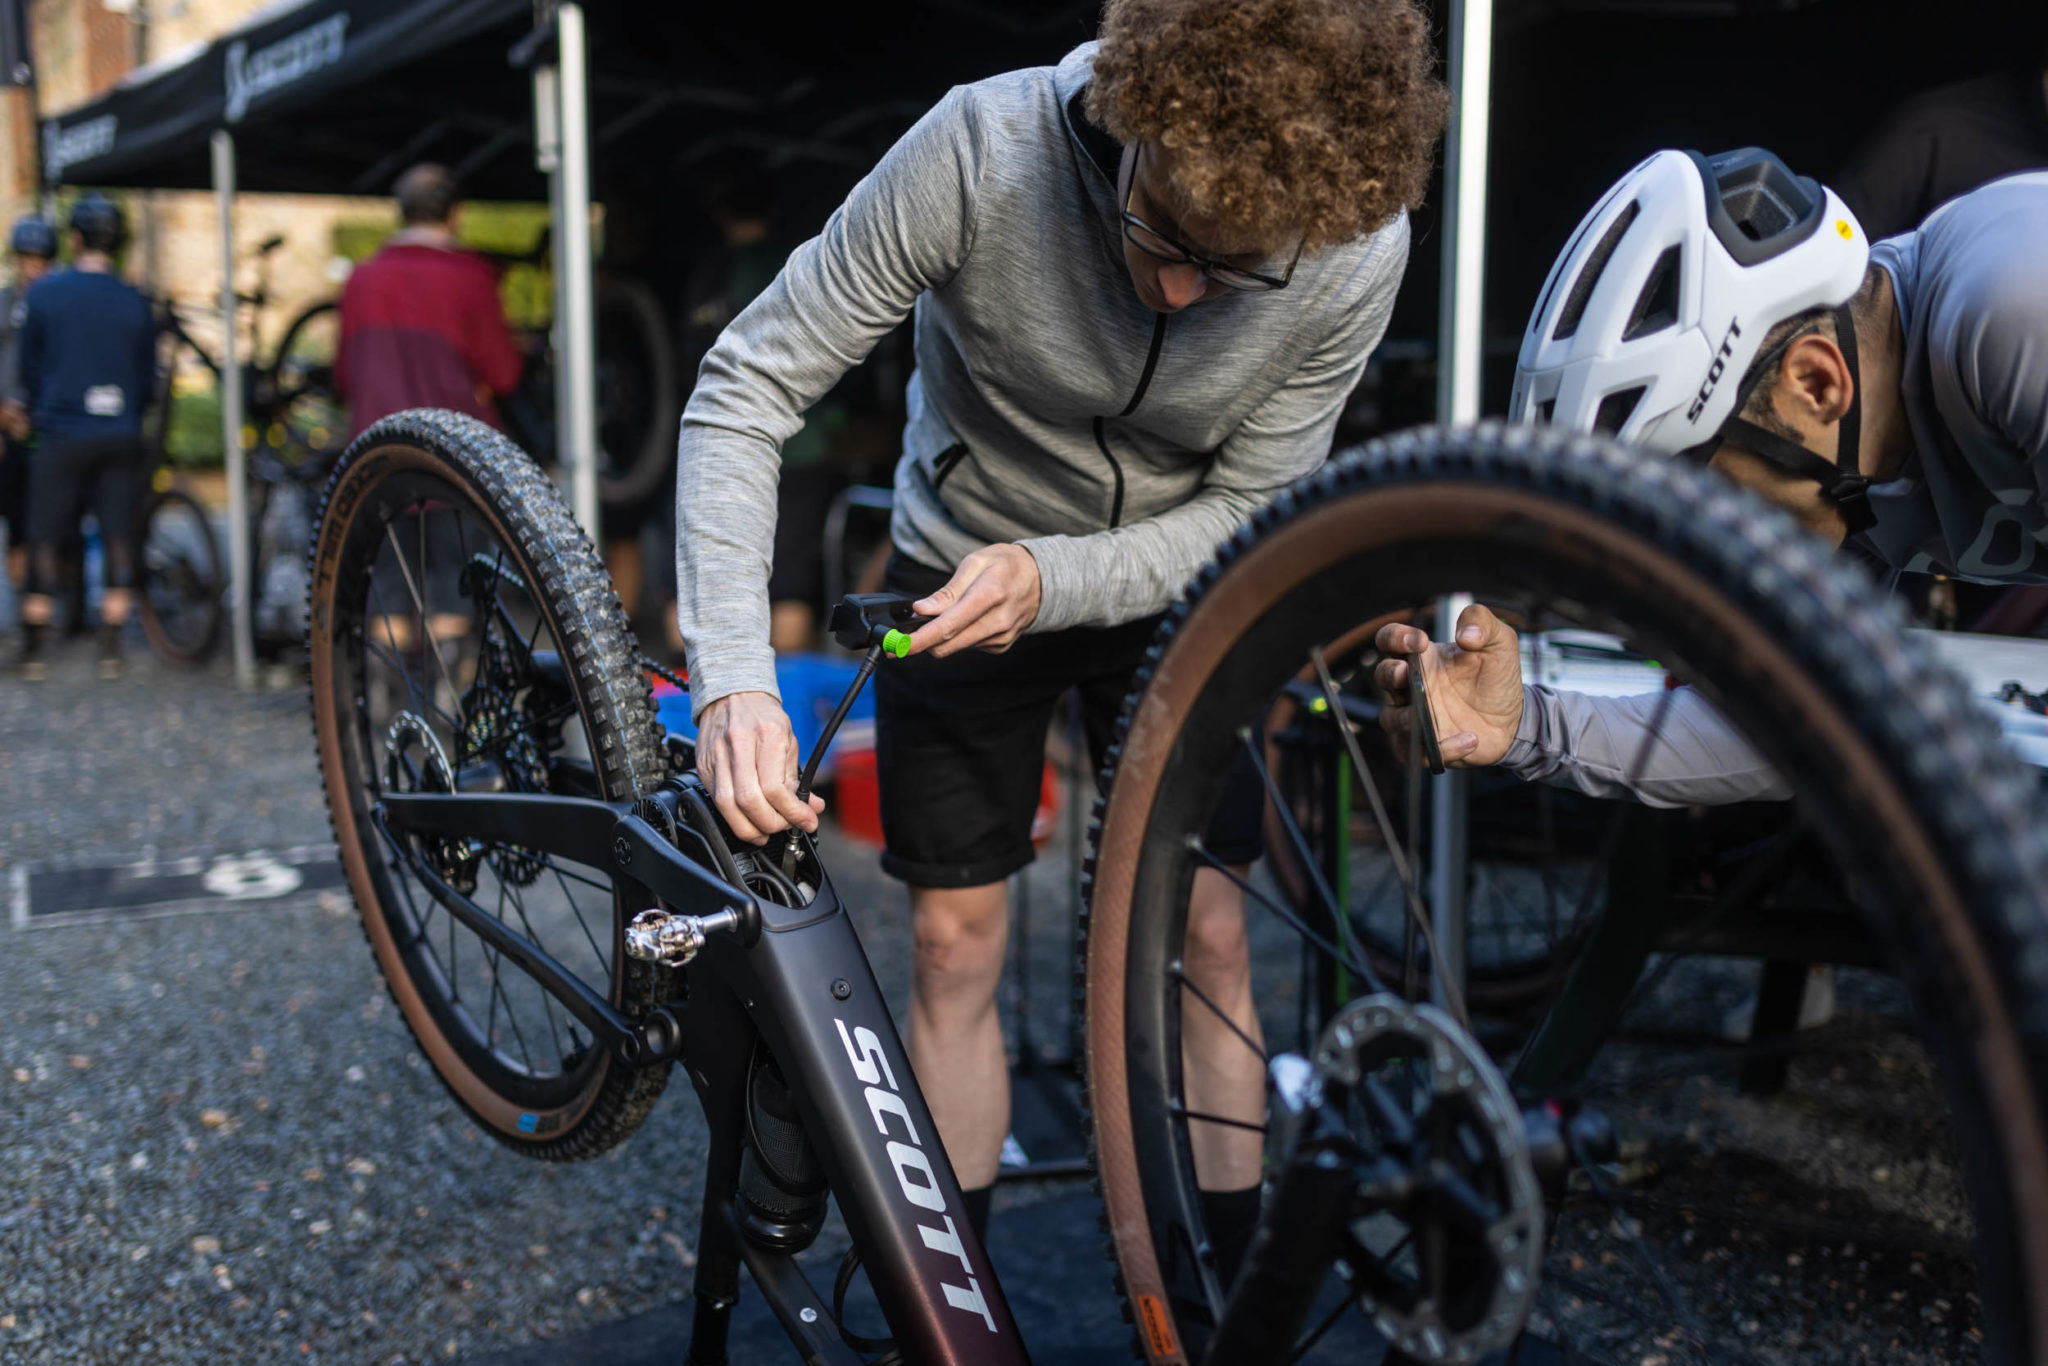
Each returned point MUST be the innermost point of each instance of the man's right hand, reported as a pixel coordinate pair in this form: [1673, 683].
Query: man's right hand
[746, 755]
[1474, 685]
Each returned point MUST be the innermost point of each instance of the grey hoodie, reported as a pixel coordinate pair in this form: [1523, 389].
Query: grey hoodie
[1049, 406]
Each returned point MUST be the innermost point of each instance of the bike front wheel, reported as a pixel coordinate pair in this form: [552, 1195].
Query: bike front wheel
[1923, 819]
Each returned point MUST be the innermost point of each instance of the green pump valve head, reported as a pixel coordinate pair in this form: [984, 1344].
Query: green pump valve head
[896, 643]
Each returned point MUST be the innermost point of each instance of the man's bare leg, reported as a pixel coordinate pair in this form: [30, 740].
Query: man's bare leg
[956, 1040]
[1222, 1075]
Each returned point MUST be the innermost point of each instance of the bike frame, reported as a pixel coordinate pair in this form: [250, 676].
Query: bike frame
[798, 980]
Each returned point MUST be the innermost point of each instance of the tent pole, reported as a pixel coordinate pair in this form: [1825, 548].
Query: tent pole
[1460, 352]
[1460, 326]
[231, 416]
[573, 265]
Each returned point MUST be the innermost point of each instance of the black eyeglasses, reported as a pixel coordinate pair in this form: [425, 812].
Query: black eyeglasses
[1159, 246]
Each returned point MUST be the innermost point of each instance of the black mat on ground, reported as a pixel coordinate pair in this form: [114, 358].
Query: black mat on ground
[1049, 1255]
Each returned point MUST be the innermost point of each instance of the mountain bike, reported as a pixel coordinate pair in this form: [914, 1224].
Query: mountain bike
[1402, 1159]
[561, 917]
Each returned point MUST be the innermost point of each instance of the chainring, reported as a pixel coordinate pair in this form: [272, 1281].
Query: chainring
[497, 729]
[454, 859]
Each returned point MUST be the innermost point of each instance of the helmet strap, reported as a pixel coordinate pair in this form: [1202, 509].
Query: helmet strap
[1843, 487]
[1843, 483]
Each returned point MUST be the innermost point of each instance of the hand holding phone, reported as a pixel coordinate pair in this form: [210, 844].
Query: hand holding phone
[1425, 717]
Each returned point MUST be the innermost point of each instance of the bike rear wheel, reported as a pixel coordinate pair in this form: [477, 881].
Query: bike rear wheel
[463, 636]
[639, 400]
[181, 579]
[1917, 807]
[306, 403]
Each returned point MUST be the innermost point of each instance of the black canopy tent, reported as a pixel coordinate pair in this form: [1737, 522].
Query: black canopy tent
[519, 96]
[345, 57]
[332, 96]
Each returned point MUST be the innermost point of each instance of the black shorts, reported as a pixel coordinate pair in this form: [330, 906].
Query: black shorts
[104, 474]
[960, 746]
[14, 491]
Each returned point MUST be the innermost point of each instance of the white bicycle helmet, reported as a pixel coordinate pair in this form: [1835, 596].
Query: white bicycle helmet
[1649, 326]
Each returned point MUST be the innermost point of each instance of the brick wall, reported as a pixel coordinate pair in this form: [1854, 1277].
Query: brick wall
[81, 48]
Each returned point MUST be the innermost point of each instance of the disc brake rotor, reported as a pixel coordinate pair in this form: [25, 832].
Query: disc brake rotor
[1419, 1089]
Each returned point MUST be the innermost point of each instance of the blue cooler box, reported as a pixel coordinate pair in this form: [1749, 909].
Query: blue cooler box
[811, 687]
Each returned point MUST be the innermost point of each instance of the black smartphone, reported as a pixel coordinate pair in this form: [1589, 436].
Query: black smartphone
[1425, 718]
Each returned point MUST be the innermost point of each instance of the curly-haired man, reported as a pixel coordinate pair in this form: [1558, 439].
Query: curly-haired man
[1145, 281]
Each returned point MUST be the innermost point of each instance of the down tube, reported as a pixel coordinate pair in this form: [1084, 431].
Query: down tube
[852, 1083]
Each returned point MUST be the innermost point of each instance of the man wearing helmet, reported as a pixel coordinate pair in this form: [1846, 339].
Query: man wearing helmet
[88, 364]
[1894, 397]
[33, 244]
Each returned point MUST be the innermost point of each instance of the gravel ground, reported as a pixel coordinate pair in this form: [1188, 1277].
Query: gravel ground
[220, 1143]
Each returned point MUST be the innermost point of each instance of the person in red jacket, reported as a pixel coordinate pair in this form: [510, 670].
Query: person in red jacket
[421, 322]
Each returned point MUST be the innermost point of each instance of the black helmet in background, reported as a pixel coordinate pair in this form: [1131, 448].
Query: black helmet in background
[99, 223]
[32, 235]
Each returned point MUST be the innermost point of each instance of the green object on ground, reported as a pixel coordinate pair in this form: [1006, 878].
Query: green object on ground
[896, 643]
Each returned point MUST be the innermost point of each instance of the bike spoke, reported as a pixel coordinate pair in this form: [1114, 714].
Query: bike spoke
[1294, 921]
[547, 1000]
[1354, 958]
[560, 871]
[498, 991]
[1307, 1344]
[1205, 1117]
[419, 602]
[389, 655]
[1453, 997]
[570, 897]
[1218, 1012]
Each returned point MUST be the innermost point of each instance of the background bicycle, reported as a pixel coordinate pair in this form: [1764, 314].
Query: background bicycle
[296, 424]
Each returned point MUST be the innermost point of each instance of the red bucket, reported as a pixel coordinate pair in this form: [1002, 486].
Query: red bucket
[855, 800]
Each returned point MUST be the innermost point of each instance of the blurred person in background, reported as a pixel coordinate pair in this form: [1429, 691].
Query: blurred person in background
[88, 367]
[1944, 142]
[422, 325]
[32, 243]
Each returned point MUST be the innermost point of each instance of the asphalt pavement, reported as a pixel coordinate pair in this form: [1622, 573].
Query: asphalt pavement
[218, 1142]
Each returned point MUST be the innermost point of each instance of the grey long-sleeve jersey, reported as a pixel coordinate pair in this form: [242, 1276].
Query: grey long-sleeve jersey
[1662, 749]
[1049, 408]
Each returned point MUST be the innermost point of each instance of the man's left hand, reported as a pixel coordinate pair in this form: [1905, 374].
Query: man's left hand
[991, 599]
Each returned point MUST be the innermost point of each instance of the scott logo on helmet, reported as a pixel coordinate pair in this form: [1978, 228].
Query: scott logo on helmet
[1699, 404]
[920, 1185]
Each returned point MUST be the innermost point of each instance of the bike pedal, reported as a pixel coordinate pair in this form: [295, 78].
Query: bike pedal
[658, 936]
